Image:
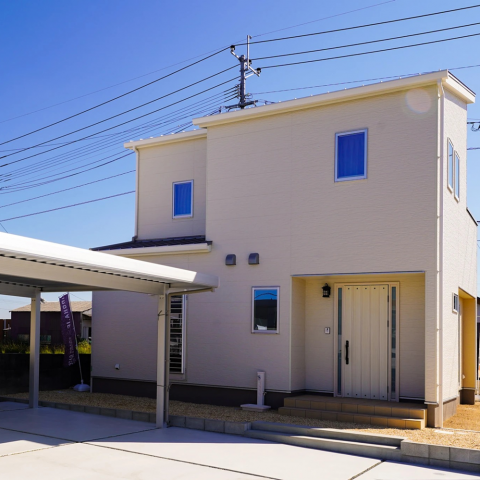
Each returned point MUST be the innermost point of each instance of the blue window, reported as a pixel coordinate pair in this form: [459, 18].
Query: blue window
[450, 165]
[457, 176]
[351, 155]
[183, 199]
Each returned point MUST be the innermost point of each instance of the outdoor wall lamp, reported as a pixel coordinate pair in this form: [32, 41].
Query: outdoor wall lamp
[231, 259]
[254, 259]
[326, 291]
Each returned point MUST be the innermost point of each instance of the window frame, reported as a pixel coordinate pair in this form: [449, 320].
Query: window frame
[365, 153]
[183, 326]
[265, 332]
[450, 162]
[190, 215]
[456, 175]
[455, 308]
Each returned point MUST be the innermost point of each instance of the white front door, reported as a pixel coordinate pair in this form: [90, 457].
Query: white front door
[365, 341]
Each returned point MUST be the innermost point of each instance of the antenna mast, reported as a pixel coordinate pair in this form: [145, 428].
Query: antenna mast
[245, 68]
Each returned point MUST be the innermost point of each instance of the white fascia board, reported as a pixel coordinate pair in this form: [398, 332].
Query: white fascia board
[166, 250]
[340, 96]
[162, 140]
[18, 290]
[46, 252]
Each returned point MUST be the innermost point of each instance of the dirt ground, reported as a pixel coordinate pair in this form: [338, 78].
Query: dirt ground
[467, 418]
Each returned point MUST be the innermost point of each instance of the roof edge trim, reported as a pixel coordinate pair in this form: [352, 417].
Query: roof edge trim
[164, 139]
[341, 96]
[164, 250]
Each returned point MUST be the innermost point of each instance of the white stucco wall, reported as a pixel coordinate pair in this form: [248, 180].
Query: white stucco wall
[459, 241]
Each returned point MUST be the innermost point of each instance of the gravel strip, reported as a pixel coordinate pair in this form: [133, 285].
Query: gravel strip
[468, 417]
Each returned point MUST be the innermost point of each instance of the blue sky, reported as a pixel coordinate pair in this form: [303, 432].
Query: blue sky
[56, 51]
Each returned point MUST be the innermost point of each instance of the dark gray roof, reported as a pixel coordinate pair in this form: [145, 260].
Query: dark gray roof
[159, 242]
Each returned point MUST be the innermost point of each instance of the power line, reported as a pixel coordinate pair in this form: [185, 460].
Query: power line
[373, 51]
[66, 206]
[115, 98]
[72, 174]
[196, 108]
[28, 184]
[367, 43]
[357, 81]
[324, 18]
[189, 59]
[118, 114]
[362, 26]
[67, 189]
[120, 124]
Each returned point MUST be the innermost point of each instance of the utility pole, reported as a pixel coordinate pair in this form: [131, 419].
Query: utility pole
[245, 68]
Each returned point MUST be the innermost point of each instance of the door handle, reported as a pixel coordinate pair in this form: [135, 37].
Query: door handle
[347, 344]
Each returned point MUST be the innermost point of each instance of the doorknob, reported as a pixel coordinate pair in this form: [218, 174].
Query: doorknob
[346, 352]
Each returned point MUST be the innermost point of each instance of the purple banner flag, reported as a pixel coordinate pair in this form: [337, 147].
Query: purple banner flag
[68, 331]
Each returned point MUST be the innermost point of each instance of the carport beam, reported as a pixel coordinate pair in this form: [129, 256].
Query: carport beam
[34, 351]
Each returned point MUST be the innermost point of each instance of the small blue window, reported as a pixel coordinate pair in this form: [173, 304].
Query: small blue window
[351, 155]
[183, 199]
[450, 165]
[457, 176]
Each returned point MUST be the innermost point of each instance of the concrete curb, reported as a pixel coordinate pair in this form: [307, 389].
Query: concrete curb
[106, 412]
[441, 456]
[411, 452]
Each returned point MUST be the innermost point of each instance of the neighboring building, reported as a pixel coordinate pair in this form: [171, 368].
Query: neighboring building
[6, 328]
[362, 191]
[50, 327]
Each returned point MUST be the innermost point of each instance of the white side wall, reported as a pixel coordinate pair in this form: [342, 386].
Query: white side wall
[460, 242]
[124, 331]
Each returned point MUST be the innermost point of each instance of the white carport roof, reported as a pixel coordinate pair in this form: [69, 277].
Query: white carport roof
[28, 265]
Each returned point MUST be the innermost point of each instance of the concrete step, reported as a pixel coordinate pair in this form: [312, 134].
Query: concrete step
[357, 406]
[328, 433]
[366, 419]
[381, 452]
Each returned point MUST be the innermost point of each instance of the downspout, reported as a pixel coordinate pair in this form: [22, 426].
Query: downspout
[167, 345]
[441, 142]
[137, 182]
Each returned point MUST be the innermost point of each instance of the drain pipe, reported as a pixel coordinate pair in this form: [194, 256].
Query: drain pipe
[167, 345]
[441, 104]
[137, 189]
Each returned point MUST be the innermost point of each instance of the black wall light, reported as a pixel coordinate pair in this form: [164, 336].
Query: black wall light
[254, 259]
[231, 259]
[326, 291]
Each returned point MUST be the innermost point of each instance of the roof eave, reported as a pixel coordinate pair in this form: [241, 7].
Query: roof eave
[164, 139]
[447, 79]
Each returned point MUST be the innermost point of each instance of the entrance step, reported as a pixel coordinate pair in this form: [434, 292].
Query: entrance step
[368, 412]
[367, 445]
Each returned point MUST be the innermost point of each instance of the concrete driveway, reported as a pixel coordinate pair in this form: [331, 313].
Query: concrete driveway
[50, 443]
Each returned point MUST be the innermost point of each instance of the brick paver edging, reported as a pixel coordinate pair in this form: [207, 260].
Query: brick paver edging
[412, 452]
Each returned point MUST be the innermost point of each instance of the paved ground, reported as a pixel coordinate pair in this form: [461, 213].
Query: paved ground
[49, 443]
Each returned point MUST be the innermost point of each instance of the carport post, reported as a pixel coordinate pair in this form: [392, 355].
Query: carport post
[34, 351]
[161, 337]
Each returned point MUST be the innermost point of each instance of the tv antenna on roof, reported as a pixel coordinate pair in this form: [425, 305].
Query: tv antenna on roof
[246, 71]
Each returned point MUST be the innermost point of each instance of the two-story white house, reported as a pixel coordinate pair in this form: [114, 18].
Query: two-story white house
[339, 228]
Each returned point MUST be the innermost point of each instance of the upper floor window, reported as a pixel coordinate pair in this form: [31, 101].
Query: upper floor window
[265, 309]
[450, 165]
[351, 155]
[183, 199]
[457, 176]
